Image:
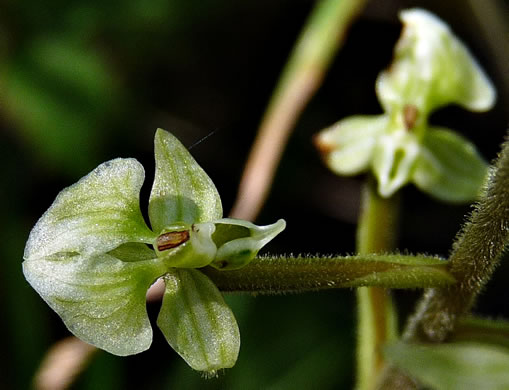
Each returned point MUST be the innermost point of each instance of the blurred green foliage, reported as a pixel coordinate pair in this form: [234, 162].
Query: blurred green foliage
[84, 81]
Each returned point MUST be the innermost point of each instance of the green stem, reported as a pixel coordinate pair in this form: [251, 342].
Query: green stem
[376, 315]
[282, 274]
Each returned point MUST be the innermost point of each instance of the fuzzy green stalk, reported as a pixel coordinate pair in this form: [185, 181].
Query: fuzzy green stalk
[296, 274]
[475, 254]
[376, 233]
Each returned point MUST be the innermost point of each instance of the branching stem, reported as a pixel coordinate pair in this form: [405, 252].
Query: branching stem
[477, 251]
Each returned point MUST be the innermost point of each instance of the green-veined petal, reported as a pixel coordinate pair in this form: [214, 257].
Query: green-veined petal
[197, 323]
[449, 167]
[182, 191]
[95, 215]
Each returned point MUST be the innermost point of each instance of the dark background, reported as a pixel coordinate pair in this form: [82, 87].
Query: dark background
[85, 81]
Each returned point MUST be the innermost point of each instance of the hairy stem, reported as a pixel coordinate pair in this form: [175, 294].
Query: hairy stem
[476, 253]
[319, 41]
[281, 274]
[376, 233]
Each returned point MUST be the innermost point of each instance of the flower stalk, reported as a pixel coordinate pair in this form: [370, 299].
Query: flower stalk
[294, 274]
[376, 233]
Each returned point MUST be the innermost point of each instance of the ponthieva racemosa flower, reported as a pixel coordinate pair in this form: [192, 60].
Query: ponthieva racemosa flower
[92, 257]
[431, 69]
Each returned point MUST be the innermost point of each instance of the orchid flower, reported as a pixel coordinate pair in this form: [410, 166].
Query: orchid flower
[92, 257]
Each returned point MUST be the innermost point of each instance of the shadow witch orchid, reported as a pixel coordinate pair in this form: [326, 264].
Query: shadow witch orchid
[92, 257]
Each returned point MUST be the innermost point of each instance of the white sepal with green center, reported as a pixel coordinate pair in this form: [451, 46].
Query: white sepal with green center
[182, 192]
[197, 322]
